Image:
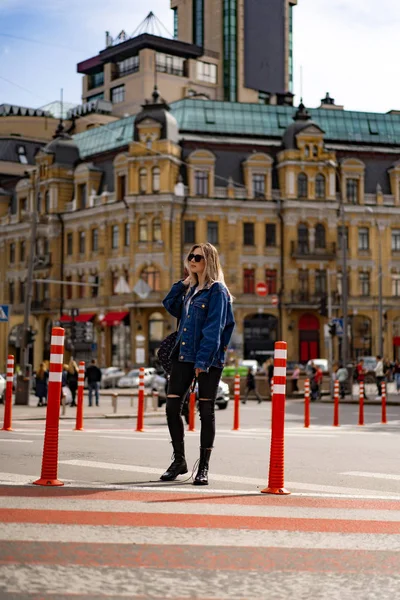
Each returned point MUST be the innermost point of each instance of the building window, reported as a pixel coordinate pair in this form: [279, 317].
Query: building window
[157, 235]
[21, 151]
[143, 180]
[176, 23]
[248, 234]
[143, 235]
[212, 232]
[320, 238]
[39, 202]
[127, 235]
[95, 240]
[96, 80]
[320, 282]
[302, 185]
[248, 281]
[47, 202]
[364, 284]
[12, 252]
[302, 239]
[156, 179]
[201, 183]
[198, 22]
[363, 238]
[118, 94]
[152, 277]
[69, 244]
[395, 240]
[352, 186]
[173, 65]
[114, 237]
[189, 232]
[82, 240]
[230, 49]
[271, 280]
[396, 285]
[121, 187]
[258, 186]
[128, 66]
[81, 288]
[206, 72]
[22, 291]
[22, 251]
[69, 287]
[270, 235]
[342, 234]
[303, 284]
[94, 290]
[82, 195]
[95, 97]
[320, 186]
[11, 292]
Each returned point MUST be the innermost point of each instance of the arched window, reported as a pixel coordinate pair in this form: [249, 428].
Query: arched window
[156, 179]
[302, 185]
[47, 202]
[152, 277]
[143, 234]
[315, 151]
[320, 186]
[302, 238]
[157, 237]
[143, 181]
[306, 151]
[320, 241]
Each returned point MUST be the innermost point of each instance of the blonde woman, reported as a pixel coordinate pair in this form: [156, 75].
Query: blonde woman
[72, 379]
[203, 305]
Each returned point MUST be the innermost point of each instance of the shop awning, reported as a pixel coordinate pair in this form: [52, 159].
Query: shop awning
[83, 318]
[114, 318]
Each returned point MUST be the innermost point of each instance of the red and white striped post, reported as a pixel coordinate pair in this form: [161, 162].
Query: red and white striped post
[192, 410]
[236, 406]
[361, 405]
[140, 412]
[336, 403]
[307, 403]
[383, 420]
[7, 424]
[276, 481]
[50, 447]
[81, 384]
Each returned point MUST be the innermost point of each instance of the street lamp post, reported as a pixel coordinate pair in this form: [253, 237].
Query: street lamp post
[344, 281]
[380, 285]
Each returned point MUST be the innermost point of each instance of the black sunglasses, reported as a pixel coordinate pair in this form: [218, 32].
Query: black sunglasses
[196, 257]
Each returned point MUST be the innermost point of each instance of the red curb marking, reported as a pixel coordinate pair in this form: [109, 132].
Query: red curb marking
[69, 517]
[224, 558]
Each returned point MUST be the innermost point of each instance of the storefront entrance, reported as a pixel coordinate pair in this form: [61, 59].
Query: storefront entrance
[260, 335]
[308, 338]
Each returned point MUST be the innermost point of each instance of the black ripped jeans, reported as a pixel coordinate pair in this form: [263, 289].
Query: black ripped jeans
[182, 375]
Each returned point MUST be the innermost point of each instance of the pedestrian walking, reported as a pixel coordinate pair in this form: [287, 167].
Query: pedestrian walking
[295, 378]
[269, 367]
[342, 376]
[379, 374]
[93, 376]
[360, 372]
[72, 380]
[396, 370]
[251, 386]
[41, 379]
[203, 306]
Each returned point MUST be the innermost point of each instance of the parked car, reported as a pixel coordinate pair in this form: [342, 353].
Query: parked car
[2, 388]
[131, 380]
[110, 377]
[159, 384]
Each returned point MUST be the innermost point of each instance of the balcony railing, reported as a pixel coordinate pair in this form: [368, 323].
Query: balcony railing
[306, 251]
[39, 306]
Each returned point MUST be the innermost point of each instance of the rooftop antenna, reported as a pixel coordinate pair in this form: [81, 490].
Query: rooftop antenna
[301, 83]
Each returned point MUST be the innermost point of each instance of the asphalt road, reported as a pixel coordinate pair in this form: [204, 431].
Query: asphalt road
[113, 530]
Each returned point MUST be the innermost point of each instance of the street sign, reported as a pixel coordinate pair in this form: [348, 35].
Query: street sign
[4, 313]
[262, 288]
[74, 312]
[275, 300]
[339, 326]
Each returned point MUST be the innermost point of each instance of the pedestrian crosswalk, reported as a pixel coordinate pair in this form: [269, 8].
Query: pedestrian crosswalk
[166, 542]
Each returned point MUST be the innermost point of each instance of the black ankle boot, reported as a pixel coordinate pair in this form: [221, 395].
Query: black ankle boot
[178, 465]
[202, 472]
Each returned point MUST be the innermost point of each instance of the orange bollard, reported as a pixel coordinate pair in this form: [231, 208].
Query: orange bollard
[384, 421]
[140, 412]
[7, 424]
[236, 403]
[336, 404]
[276, 479]
[307, 403]
[192, 410]
[361, 405]
[50, 447]
[79, 410]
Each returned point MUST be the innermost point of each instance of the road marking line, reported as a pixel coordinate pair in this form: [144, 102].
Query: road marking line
[11, 441]
[372, 475]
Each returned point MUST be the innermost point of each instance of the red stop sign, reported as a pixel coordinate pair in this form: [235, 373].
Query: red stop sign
[262, 288]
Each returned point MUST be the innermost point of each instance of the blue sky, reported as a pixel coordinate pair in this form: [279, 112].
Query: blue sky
[348, 48]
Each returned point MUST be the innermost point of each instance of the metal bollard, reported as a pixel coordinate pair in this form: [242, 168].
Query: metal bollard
[63, 405]
[114, 402]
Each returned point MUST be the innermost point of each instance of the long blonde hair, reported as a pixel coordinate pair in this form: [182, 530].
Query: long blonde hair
[212, 266]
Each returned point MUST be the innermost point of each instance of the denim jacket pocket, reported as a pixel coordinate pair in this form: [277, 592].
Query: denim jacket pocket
[200, 308]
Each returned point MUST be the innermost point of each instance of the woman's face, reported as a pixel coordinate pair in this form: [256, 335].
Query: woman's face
[194, 266]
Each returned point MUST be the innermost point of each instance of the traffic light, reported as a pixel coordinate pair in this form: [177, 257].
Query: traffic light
[332, 328]
[30, 336]
[323, 306]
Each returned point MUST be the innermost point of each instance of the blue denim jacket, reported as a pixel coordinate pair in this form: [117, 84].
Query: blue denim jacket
[205, 331]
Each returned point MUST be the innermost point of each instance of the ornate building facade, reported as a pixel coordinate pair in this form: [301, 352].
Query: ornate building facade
[120, 205]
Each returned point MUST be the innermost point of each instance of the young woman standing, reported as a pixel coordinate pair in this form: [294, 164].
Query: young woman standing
[203, 305]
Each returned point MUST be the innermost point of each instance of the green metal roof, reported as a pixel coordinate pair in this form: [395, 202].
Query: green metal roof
[250, 120]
